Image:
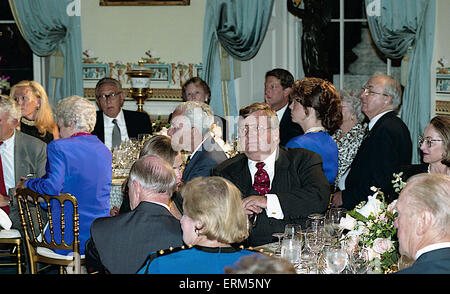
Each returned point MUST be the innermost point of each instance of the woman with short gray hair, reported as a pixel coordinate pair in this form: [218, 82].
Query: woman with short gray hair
[350, 134]
[79, 164]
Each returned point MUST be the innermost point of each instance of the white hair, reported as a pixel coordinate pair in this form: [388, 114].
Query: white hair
[199, 114]
[78, 110]
[10, 107]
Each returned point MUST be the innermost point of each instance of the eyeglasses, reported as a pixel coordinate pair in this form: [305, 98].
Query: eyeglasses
[366, 91]
[247, 128]
[429, 141]
[112, 96]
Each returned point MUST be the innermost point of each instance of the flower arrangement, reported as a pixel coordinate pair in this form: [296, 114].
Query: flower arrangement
[88, 56]
[4, 83]
[371, 227]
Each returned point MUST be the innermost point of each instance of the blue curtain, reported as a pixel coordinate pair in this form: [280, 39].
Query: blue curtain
[52, 29]
[406, 27]
[233, 31]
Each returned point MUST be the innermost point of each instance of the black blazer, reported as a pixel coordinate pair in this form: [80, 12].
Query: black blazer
[136, 122]
[208, 156]
[299, 182]
[288, 128]
[122, 243]
[432, 262]
[387, 147]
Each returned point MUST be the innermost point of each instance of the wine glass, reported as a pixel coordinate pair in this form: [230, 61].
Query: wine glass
[315, 221]
[291, 230]
[279, 236]
[336, 258]
[358, 263]
[314, 242]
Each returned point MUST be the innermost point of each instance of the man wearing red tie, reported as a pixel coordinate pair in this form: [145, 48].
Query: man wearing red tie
[280, 185]
[21, 155]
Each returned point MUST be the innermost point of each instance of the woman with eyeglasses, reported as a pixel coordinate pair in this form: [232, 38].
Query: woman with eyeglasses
[37, 116]
[316, 107]
[435, 146]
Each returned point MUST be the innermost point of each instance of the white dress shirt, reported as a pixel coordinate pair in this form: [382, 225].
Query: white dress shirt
[7, 153]
[374, 120]
[431, 248]
[109, 126]
[273, 204]
[280, 112]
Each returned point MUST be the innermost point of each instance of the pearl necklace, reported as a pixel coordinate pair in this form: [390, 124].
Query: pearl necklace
[315, 130]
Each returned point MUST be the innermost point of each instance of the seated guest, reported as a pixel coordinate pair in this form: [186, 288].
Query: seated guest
[160, 145]
[190, 131]
[423, 227]
[280, 185]
[387, 146]
[316, 107]
[213, 219]
[435, 146]
[79, 164]
[196, 89]
[277, 88]
[115, 124]
[37, 115]
[350, 134]
[20, 155]
[120, 244]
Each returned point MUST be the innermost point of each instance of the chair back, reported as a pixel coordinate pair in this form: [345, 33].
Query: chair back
[34, 222]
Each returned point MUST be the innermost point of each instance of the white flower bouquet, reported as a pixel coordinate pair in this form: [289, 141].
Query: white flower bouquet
[370, 227]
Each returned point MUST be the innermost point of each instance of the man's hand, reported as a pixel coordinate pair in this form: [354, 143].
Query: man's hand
[254, 204]
[337, 199]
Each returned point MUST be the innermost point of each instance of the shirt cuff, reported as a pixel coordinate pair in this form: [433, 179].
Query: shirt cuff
[273, 207]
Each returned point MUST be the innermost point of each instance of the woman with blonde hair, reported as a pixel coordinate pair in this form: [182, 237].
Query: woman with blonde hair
[37, 116]
[213, 219]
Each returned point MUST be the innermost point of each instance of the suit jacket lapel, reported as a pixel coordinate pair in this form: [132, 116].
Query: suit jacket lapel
[100, 127]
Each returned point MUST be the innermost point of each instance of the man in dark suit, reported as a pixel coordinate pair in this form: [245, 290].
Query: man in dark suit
[386, 147]
[277, 88]
[423, 227]
[190, 131]
[112, 120]
[280, 185]
[120, 244]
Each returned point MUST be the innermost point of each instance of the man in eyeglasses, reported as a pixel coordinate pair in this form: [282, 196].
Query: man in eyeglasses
[280, 185]
[387, 146]
[115, 124]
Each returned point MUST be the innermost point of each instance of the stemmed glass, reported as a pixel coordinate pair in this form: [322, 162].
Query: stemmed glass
[314, 242]
[279, 236]
[358, 263]
[291, 249]
[337, 259]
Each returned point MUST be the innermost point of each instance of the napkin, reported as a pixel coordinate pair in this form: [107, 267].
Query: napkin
[5, 221]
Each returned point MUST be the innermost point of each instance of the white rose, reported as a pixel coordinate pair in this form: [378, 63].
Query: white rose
[392, 208]
[382, 245]
[347, 222]
[372, 254]
[373, 206]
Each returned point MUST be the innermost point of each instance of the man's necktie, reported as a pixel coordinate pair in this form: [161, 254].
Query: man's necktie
[2, 184]
[116, 137]
[261, 184]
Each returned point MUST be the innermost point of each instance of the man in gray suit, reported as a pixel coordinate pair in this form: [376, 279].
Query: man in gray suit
[21, 155]
[120, 244]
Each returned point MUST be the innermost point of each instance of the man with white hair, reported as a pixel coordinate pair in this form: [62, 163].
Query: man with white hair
[423, 224]
[21, 155]
[386, 147]
[279, 185]
[121, 244]
[190, 129]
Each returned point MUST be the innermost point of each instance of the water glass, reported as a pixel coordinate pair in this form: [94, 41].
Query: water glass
[336, 259]
[315, 221]
[291, 249]
[293, 230]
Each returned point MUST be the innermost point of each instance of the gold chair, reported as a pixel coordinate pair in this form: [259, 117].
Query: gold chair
[13, 238]
[38, 248]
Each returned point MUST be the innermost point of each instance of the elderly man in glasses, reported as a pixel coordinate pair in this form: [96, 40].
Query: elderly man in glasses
[115, 124]
[386, 147]
[280, 185]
